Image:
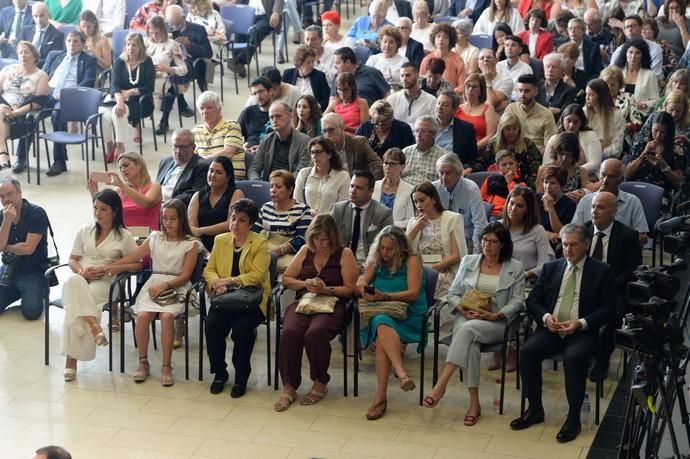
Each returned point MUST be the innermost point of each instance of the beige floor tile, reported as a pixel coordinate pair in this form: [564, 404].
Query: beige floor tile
[311, 454]
[585, 438]
[294, 437]
[145, 422]
[346, 426]
[387, 449]
[105, 399]
[51, 432]
[17, 445]
[491, 423]
[82, 450]
[190, 408]
[221, 430]
[444, 438]
[533, 449]
[155, 441]
[13, 426]
[449, 453]
[40, 392]
[241, 450]
[156, 455]
[297, 417]
[46, 411]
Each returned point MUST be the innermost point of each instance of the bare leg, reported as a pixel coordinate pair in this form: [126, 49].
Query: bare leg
[167, 324]
[287, 397]
[475, 408]
[388, 339]
[141, 331]
[439, 390]
[383, 370]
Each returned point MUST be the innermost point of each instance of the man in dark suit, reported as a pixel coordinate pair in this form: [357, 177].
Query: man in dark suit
[360, 219]
[453, 133]
[67, 69]
[44, 36]
[590, 57]
[618, 246]
[13, 20]
[554, 94]
[196, 50]
[184, 173]
[354, 150]
[570, 302]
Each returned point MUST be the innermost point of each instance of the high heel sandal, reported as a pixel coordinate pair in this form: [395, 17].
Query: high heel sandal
[143, 370]
[7, 164]
[167, 379]
[98, 335]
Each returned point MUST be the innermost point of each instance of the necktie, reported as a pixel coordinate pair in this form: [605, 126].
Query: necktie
[356, 229]
[568, 296]
[18, 24]
[39, 39]
[450, 200]
[63, 71]
[599, 246]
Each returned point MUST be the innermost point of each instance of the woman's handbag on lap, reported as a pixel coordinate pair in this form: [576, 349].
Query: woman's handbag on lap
[238, 299]
[474, 299]
[368, 309]
[313, 303]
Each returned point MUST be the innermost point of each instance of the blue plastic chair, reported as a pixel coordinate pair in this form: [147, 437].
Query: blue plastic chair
[67, 28]
[651, 196]
[444, 19]
[81, 105]
[242, 17]
[480, 177]
[362, 53]
[5, 61]
[481, 41]
[256, 190]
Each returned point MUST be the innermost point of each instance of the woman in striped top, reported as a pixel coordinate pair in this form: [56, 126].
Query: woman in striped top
[283, 220]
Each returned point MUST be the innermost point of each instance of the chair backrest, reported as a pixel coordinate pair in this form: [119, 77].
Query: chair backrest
[79, 103]
[481, 41]
[5, 61]
[119, 37]
[242, 17]
[228, 28]
[256, 190]
[431, 277]
[67, 28]
[131, 7]
[362, 53]
[248, 161]
[650, 196]
[479, 177]
[488, 207]
[442, 19]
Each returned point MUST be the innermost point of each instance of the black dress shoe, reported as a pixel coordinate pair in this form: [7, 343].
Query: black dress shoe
[600, 371]
[57, 168]
[569, 430]
[161, 129]
[19, 166]
[238, 391]
[218, 385]
[529, 418]
[187, 112]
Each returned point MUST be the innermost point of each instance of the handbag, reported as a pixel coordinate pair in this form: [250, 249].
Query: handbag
[313, 303]
[167, 297]
[238, 299]
[474, 299]
[368, 309]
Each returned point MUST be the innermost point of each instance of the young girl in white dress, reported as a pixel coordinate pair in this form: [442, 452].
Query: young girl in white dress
[174, 255]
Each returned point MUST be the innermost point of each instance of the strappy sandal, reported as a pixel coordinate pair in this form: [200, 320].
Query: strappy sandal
[470, 420]
[313, 397]
[167, 379]
[143, 370]
[7, 164]
[406, 384]
[377, 410]
[98, 335]
[429, 402]
[284, 402]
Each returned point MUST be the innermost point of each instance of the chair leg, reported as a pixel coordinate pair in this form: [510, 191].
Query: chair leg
[345, 361]
[46, 329]
[153, 335]
[421, 374]
[268, 350]
[186, 347]
[277, 338]
[202, 315]
[504, 358]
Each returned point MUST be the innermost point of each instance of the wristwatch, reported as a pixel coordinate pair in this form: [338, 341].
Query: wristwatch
[666, 169]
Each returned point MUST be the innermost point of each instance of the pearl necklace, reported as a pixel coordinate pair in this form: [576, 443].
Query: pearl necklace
[133, 82]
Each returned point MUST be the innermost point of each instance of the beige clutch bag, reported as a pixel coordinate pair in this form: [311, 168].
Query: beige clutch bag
[474, 299]
[312, 303]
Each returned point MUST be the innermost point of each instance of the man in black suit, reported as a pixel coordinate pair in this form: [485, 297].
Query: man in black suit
[554, 94]
[13, 20]
[196, 49]
[618, 246]
[453, 133]
[570, 302]
[184, 173]
[44, 36]
[67, 69]
[590, 57]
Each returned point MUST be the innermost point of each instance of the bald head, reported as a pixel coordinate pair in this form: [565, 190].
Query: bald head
[611, 175]
[40, 14]
[604, 207]
[174, 15]
[592, 18]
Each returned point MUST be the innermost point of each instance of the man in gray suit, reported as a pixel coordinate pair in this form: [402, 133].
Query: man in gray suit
[360, 219]
[284, 148]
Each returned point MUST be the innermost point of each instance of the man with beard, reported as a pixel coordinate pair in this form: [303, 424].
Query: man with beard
[538, 124]
[411, 103]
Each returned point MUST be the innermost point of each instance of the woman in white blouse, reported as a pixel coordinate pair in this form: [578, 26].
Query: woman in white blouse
[201, 12]
[640, 81]
[421, 29]
[604, 118]
[326, 182]
[499, 11]
[167, 60]
[393, 192]
[388, 61]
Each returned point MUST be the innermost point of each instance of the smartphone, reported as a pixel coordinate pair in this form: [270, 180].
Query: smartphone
[100, 177]
[369, 289]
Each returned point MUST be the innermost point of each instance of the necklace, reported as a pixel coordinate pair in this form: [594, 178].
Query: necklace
[134, 81]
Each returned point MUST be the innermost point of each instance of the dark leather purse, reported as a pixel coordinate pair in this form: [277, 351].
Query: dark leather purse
[238, 299]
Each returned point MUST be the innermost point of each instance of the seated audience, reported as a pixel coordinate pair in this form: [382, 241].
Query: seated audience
[240, 258]
[365, 29]
[572, 75]
[306, 78]
[444, 37]
[678, 80]
[410, 48]
[383, 130]
[421, 29]
[284, 148]
[280, 90]
[306, 117]
[184, 172]
[392, 191]
[433, 81]
[64, 12]
[201, 13]
[454, 134]
[462, 196]
[174, 253]
[466, 50]
[640, 80]
[335, 277]
[604, 118]
[209, 208]
[52, 39]
[110, 15]
[499, 88]
[589, 61]
[537, 36]
[423, 154]
[388, 61]
[411, 102]
[96, 44]
[325, 182]
[514, 66]
[632, 28]
[477, 111]
[354, 150]
[216, 136]
[360, 218]
[554, 93]
[573, 120]
[537, 121]
[437, 235]
[496, 187]
[495, 272]
[675, 104]
[253, 119]
[283, 220]
[96, 247]
[566, 154]
[352, 109]
[567, 326]
[395, 272]
[14, 18]
[145, 12]
[325, 43]
[633, 117]
[501, 31]
[556, 208]
[371, 85]
[499, 11]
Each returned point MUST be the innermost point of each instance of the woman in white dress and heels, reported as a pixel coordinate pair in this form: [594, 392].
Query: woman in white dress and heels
[174, 252]
[95, 248]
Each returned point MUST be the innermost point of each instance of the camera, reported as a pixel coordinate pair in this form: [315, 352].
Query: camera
[9, 263]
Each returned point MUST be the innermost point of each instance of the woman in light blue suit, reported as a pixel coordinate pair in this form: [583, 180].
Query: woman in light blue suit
[393, 192]
[495, 272]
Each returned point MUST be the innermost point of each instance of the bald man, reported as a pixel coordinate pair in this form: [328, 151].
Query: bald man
[44, 36]
[616, 245]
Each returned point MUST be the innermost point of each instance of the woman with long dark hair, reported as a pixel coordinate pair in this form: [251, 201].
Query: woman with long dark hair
[604, 118]
[640, 80]
[306, 117]
[573, 119]
[325, 182]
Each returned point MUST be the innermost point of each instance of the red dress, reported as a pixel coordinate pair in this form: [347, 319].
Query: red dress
[478, 121]
[349, 113]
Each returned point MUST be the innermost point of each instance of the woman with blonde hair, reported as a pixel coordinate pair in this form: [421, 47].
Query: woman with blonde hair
[96, 44]
[383, 130]
[676, 105]
[604, 118]
[477, 111]
[680, 79]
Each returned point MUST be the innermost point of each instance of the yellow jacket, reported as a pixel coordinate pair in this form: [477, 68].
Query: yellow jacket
[254, 262]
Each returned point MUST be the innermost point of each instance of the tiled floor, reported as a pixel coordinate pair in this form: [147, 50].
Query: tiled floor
[105, 415]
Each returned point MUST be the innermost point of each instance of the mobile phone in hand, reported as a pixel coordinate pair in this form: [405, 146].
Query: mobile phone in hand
[369, 289]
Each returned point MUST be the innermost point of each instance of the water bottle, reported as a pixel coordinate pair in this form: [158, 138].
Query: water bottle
[585, 411]
[497, 396]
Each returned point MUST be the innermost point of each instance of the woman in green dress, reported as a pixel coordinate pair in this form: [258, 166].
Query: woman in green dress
[396, 274]
[64, 11]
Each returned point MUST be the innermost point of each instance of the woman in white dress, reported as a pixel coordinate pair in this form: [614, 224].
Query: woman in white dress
[95, 248]
[174, 253]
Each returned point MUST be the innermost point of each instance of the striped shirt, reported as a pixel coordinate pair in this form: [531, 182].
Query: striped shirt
[292, 223]
[225, 134]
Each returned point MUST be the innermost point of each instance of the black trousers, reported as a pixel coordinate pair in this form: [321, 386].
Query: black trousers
[258, 33]
[243, 327]
[607, 343]
[577, 349]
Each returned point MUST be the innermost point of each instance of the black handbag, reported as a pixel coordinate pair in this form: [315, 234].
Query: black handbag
[52, 261]
[238, 299]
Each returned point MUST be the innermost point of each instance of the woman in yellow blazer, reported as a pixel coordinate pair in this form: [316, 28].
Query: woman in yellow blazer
[239, 258]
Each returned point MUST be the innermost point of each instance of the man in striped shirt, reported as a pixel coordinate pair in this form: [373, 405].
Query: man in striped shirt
[217, 136]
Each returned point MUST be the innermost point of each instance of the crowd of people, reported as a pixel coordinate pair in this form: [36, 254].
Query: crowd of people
[370, 146]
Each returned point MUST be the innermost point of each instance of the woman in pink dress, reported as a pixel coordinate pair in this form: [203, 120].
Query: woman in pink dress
[352, 109]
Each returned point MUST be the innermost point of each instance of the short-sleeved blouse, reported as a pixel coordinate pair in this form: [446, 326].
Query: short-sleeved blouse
[478, 121]
[113, 247]
[349, 113]
[17, 87]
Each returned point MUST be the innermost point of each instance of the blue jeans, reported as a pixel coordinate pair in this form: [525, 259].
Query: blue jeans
[293, 17]
[31, 288]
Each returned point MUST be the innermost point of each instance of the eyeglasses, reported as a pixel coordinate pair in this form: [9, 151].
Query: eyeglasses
[424, 131]
[381, 124]
[390, 163]
[490, 241]
[177, 145]
[330, 130]
[316, 152]
[343, 89]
